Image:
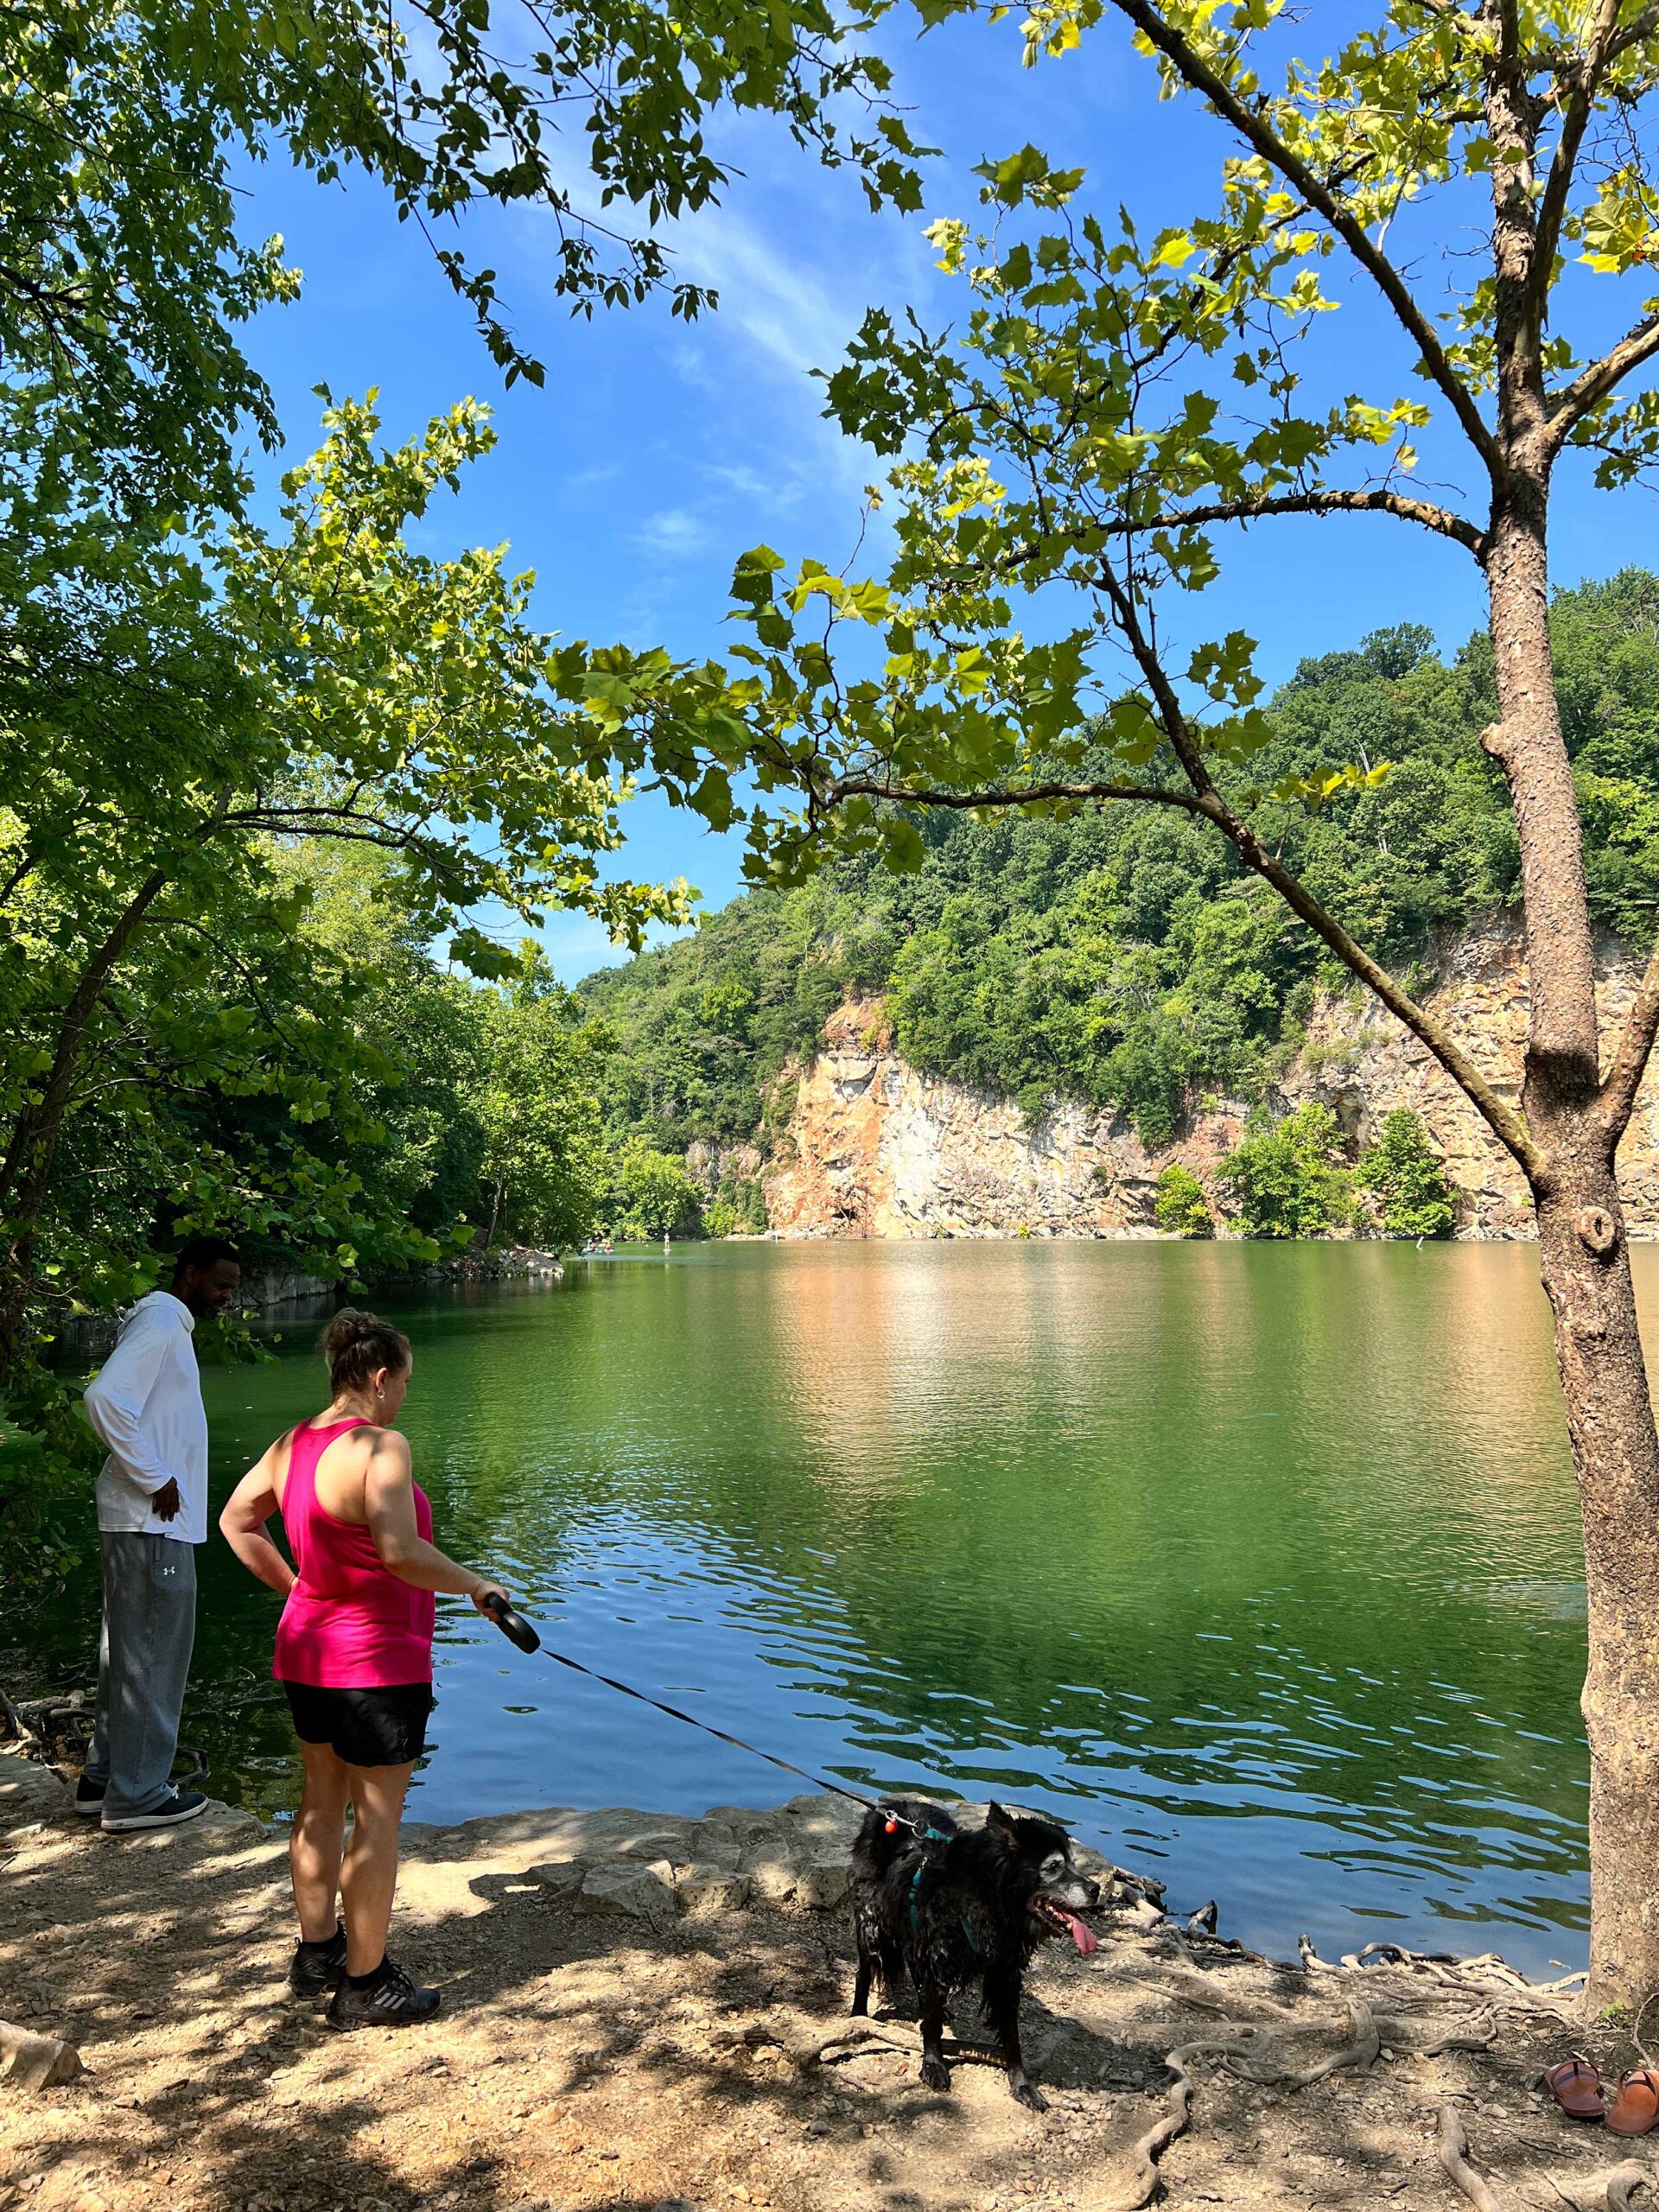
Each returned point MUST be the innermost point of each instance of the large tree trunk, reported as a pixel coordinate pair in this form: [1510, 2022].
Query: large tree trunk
[1587, 1270]
[1585, 1260]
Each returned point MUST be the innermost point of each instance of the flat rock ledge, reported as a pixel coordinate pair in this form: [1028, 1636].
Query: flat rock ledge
[657, 1868]
[645, 2012]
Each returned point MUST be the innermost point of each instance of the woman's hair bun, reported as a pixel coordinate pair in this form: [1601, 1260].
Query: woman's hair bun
[349, 1326]
[357, 1345]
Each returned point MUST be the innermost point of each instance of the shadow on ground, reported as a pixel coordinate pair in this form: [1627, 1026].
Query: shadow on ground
[588, 2060]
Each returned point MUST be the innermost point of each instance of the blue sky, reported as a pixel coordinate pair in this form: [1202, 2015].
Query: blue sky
[657, 451]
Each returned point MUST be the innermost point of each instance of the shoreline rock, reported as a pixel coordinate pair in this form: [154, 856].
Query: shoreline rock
[268, 1292]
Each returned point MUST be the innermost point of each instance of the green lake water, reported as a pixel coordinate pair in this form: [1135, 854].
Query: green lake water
[1258, 1564]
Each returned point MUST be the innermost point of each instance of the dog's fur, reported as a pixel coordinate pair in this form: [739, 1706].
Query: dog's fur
[953, 1907]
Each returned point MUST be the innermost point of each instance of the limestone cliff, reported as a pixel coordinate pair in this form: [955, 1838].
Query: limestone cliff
[873, 1148]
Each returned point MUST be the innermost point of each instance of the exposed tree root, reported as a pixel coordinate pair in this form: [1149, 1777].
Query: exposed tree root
[866, 2035]
[1402, 2035]
[1487, 1975]
[1611, 2189]
[1193, 1986]
[1360, 2055]
[1454, 2147]
[1396, 1954]
[1139, 2184]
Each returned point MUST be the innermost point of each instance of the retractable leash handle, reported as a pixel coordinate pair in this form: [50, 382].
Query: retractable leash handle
[512, 1625]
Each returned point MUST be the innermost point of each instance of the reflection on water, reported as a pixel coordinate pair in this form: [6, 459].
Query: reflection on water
[1258, 1562]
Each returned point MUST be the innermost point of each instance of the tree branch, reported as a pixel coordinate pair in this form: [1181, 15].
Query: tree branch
[35, 1134]
[1441, 520]
[185, 922]
[1505, 1123]
[1633, 33]
[1325, 502]
[1196, 72]
[1575, 119]
[1574, 401]
[25, 867]
[1624, 1080]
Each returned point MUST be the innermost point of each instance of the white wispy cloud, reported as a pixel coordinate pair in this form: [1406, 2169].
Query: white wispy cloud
[675, 534]
[791, 316]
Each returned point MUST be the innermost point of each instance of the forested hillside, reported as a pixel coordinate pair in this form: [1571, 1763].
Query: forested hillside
[1124, 958]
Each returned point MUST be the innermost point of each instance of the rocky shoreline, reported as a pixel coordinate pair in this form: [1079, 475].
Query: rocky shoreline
[268, 1292]
[647, 2013]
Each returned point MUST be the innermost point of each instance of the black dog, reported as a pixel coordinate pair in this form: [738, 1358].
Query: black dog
[954, 1907]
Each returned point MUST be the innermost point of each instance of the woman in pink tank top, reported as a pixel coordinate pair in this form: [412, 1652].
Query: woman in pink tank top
[354, 1654]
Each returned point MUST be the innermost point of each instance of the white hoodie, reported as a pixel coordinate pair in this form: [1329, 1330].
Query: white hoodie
[145, 1403]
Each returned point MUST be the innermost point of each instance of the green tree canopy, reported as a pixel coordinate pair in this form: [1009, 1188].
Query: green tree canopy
[124, 277]
[533, 1096]
[1181, 1208]
[1404, 1171]
[1287, 1178]
[649, 1193]
[325, 681]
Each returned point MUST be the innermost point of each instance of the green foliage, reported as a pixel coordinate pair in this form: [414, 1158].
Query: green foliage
[737, 1208]
[1286, 1178]
[1126, 959]
[483, 1101]
[533, 1098]
[702, 1027]
[1406, 1174]
[47, 1528]
[1180, 1207]
[200, 1031]
[124, 279]
[649, 1194]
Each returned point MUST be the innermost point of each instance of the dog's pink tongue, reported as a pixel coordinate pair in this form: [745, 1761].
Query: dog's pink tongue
[1081, 1934]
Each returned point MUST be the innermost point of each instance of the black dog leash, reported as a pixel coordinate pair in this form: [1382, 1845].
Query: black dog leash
[518, 1628]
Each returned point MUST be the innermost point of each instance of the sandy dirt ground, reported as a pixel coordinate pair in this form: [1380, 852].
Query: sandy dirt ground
[646, 2015]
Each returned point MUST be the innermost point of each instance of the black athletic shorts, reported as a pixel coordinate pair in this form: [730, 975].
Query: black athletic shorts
[364, 1727]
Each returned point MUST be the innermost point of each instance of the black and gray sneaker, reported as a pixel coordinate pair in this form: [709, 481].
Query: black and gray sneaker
[89, 1799]
[177, 1805]
[388, 1999]
[316, 1968]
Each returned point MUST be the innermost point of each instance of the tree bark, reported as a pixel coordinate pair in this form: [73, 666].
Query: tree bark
[1528, 742]
[1584, 1258]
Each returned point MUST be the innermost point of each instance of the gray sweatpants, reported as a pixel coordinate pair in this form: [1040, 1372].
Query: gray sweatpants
[143, 1664]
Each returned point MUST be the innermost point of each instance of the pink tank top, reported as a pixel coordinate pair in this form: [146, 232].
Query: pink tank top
[349, 1623]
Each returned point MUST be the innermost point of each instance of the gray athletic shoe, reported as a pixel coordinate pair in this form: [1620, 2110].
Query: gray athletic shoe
[177, 1805]
[391, 2001]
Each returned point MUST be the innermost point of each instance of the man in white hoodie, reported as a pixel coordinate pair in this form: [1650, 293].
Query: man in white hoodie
[145, 1403]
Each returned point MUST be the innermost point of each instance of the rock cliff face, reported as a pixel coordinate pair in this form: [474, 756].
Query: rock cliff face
[873, 1148]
